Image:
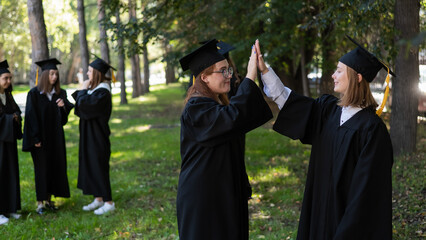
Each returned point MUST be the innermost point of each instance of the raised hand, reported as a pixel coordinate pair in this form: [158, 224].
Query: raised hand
[260, 62]
[252, 65]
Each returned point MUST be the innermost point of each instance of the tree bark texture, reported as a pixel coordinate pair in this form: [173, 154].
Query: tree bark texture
[135, 61]
[121, 66]
[170, 71]
[103, 41]
[145, 81]
[39, 42]
[403, 124]
[84, 49]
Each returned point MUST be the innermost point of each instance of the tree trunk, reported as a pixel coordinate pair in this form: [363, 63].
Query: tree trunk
[136, 70]
[103, 36]
[84, 49]
[40, 50]
[121, 66]
[305, 82]
[170, 70]
[329, 62]
[136, 76]
[73, 69]
[403, 125]
[145, 81]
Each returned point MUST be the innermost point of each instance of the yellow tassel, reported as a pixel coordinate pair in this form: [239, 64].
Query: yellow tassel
[113, 76]
[36, 77]
[193, 80]
[385, 97]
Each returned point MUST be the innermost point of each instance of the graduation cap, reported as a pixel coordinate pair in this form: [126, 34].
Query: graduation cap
[201, 58]
[224, 48]
[48, 64]
[102, 66]
[4, 67]
[365, 63]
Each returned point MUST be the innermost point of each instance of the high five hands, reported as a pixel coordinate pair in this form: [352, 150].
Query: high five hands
[256, 62]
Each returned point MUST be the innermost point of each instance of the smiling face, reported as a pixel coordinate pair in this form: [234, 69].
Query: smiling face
[5, 81]
[340, 77]
[216, 81]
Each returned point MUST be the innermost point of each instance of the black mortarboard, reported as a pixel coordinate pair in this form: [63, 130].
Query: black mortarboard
[4, 67]
[223, 47]
[48, 64]
[100, 65]
[363, 62]
[201, 58]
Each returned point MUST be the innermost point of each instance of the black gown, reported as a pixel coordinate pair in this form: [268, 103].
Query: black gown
[348, 192]
[44, 122]
[212, 190]
[10, 130]
[94, 152]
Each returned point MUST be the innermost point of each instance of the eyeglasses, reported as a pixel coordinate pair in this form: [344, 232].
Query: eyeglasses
[226, 72]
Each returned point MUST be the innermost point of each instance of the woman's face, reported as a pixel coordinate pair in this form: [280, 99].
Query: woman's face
[216, 81]
[53, 76]
[340, 77]
[90, 73]
[5, 81]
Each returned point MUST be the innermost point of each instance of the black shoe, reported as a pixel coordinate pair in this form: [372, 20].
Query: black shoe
[51, 206]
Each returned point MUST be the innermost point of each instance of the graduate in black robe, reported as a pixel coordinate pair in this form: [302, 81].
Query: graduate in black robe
[348, 192]
[46, 113]
[10, 131]
[212, 190]
[93, 105]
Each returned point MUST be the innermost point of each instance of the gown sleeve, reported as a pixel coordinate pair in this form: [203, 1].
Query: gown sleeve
[301, 117]
[31, 124]
[369, 207]
[66, 109]
[6, 127]
[89, 106]
[211, 123]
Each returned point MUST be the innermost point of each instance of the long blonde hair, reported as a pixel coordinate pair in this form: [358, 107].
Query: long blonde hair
[357, 94]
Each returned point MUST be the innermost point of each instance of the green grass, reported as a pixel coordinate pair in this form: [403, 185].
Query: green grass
[145, 165]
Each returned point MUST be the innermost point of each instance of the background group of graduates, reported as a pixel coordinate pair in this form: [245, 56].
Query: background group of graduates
[46, 112]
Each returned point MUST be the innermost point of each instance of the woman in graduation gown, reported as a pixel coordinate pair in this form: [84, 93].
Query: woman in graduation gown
[93, 105]
[46, 113]
[212, 190]
[10, 131]
[348, 192]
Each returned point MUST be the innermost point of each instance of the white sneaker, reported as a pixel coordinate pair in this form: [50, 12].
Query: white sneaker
[105, 208]
[15, 215]
[3, 220]
[92, 206]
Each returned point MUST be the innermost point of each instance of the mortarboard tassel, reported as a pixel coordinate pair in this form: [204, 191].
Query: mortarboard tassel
[36, 77]
[193, 80]
[385, 97]
[113, 76]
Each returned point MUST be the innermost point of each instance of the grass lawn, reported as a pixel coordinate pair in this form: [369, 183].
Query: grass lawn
[145, 165]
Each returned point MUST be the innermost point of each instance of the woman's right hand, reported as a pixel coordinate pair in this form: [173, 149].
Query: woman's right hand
[86, 84]
[37, 144]
[252, 65]
[260, 62]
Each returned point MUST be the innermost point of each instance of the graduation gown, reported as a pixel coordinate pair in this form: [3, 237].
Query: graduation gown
[348, 192]
[94, 153]
[44, 122]
[10, 131]
[212, 190]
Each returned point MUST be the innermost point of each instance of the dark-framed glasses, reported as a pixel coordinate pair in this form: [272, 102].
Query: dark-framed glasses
[226, 72]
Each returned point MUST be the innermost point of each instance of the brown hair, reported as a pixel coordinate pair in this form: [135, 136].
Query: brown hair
[200, 89]
[358, 93]
[43, 83]
[97, 78]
